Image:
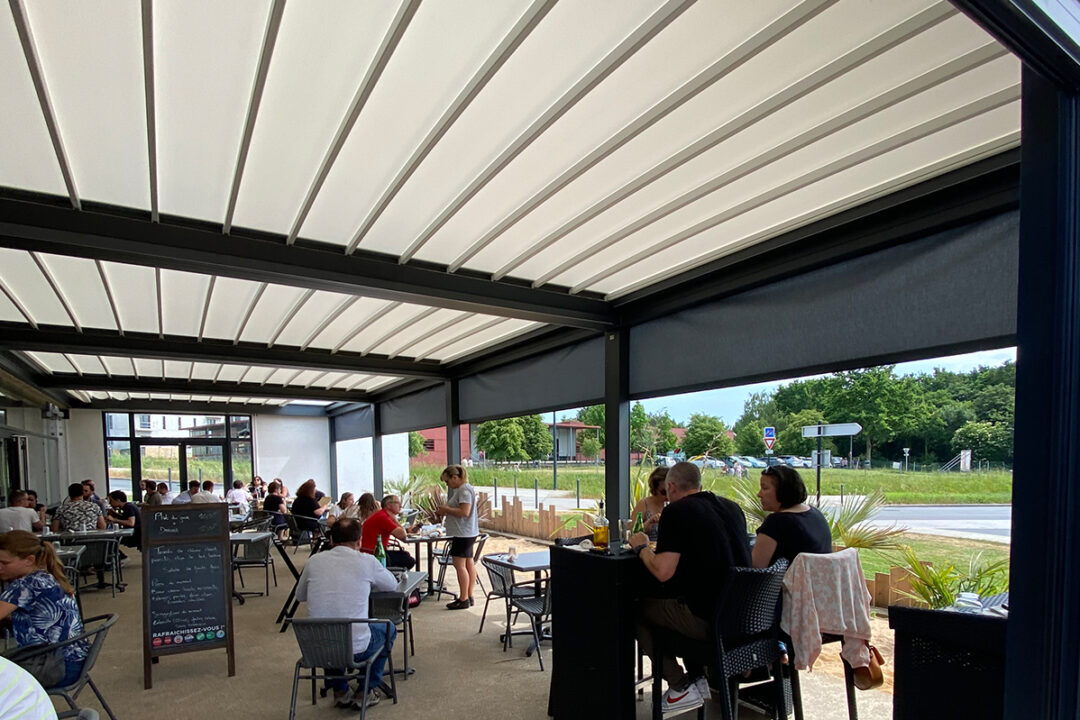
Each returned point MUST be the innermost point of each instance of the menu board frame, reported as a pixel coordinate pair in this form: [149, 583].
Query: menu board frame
[212, 529]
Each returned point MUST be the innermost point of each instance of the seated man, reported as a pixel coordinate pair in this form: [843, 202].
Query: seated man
[166, 496]
[700, 537]
[78, 513]
[90, 493]
[206, 495]
[384, 523]
[19, 515]
[185, 497]
[336, 584]
[126, 515]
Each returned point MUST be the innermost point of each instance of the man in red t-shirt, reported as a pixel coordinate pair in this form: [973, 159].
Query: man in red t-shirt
[382, 522]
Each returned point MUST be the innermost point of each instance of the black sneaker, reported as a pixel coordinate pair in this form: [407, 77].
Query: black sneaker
[458, 605]
[471, 603]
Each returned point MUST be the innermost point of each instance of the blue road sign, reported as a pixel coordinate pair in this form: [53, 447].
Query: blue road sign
[770, 432]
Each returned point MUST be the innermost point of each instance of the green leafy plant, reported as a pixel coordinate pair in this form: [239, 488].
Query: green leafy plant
[745, 491]
[848, 523]
[934, 586]
[984, 577]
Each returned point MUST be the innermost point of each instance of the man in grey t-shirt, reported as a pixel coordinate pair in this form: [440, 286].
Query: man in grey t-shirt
[459, 517]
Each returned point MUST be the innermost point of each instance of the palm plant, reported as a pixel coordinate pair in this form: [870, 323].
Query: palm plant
[407, 487]
[935, 586]
[984, 577]
[848, 523]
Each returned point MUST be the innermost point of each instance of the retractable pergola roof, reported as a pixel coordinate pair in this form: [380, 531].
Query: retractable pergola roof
[271, 200]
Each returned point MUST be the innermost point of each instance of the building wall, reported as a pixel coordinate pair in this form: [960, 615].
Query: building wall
[436, 453]
[293, 448]
[86, 447]
[46, 452]
[354, 469]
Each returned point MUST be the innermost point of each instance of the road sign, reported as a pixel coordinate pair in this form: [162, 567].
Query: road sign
[832, 430]
[825, 459]
[770, 437]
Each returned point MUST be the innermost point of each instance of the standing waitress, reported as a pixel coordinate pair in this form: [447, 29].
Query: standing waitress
[459, 517]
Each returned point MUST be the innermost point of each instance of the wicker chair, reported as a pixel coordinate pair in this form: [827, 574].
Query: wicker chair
[327, 643]
[746, 636]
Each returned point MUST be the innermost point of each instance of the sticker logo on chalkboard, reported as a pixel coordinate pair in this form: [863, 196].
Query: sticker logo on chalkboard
[189, 638]
[178, 639]
[157, 642]
[220, 634]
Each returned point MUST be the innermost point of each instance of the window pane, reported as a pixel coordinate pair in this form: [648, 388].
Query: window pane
[206, 462]
[118, 475]
[161, 463]
[242, 468]
[179, 426]
[117, 425]
[240, 427]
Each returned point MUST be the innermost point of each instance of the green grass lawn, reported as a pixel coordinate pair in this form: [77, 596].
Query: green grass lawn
[899, 488]
[933, 548]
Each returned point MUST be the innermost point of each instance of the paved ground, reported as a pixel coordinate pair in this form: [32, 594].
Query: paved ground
[973, 522]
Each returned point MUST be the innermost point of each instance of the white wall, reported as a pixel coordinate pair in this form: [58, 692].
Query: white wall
[395, 457]
[46, 457]
[354, 470]
[293, 448]
[85, 447]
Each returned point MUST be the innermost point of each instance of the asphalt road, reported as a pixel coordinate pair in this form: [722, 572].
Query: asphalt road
[974, 522]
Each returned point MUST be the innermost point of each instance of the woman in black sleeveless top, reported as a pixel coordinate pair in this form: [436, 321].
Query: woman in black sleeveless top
[792, 526]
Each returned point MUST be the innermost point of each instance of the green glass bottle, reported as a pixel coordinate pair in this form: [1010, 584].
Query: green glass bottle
[639, 524]
[380, 551]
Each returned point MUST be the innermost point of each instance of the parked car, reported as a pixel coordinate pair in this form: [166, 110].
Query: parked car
[750, 462]
[795, 461]
[771, 461]
[708, 461]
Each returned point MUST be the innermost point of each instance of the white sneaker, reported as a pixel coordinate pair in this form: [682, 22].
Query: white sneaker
[679, 700]
[702, 686]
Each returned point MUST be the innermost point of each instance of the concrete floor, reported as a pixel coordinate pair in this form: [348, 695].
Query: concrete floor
[460, 674]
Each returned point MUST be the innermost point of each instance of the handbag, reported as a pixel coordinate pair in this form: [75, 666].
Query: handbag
[870, 677]
[48, 668]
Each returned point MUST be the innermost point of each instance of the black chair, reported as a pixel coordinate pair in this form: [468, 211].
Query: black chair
[94, 631]
[102, 554]
[256, 554]
[303, 527]
[327, 643]
[446, 561]
[395, 608]
[537, 606]
[746, 636]
[502, 586]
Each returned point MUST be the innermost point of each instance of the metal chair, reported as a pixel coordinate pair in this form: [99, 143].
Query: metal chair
[101, 554]
[94, 632]
[256, 554]
[746, 636]
[395, 608]
[445, 561]
[537, 607]
[502, 586]
[327, 643]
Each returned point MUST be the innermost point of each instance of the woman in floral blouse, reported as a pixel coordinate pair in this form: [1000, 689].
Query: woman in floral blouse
[38, 598]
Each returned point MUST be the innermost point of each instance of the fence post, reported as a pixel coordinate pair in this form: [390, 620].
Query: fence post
[841, 493]
[200, 476]
[536, 492]
[170, 477]
[515, 484]
[495, 482]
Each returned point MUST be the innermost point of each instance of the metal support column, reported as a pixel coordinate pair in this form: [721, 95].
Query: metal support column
[376, 453]
[1043, 661]
[617, 426]
[453, 426]
[334, 492]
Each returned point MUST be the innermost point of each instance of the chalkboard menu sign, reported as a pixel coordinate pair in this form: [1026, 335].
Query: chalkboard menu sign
[187, 582]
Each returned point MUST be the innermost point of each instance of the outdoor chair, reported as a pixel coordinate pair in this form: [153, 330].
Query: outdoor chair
[94, 632]
[537, 607]
[327, 643]
[256, 554]
[395, 608]
[445, 561]
[746, 636]
[72, 573]
[101, 554]
[301, 528]
[502, 586]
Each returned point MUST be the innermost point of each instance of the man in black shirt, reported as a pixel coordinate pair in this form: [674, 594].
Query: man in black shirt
[700, 537]
[126, 515]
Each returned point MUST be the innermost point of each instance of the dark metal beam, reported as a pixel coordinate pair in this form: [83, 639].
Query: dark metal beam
[15, 336]
[101, 383]
[979, 190]
[1024, 28]
[617, 427]
[17, 381]
[36, 222]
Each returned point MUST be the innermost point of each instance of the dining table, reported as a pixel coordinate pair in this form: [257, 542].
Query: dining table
[429, 541]
[537, 563]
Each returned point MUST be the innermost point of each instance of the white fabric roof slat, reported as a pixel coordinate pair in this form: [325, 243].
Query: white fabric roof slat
[366, 322]
[388, 322]
[205, 57]
[228, 302]
[204, 371]
[177, 369]
[598, 126]
[86, 364]
[851, 160]
[231, 373]
[116, 365]
[80, 282]
[106, 147]
[8, 311]
[333, 42]
[146, 367]
[304, 377]
[364, 310]
[27, 159]
[320, 306]
[444, 42]
[470, 325]
[434, 326]
[274, 304]
[51, 362]
[134, 289]
[715, 102]
[47, 274]
[29, 288]
[478, 339]
[183, 296]
[393, 332]
[851, 119]
[258, 374]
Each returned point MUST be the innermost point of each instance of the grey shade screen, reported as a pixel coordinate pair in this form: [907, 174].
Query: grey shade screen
[423, 409]
[953, 291]
[564, 378]
[354, 424]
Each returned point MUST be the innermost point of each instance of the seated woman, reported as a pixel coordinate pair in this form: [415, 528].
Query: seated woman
[366, 506]
[306, 508]
[652, 504]
[792, 527]
[38, 598]
[239, 496]
[339, 509]
[275, 504]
